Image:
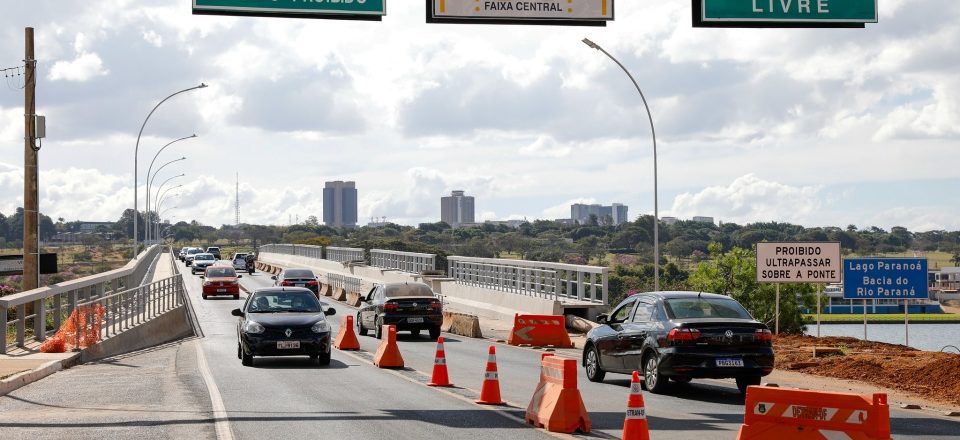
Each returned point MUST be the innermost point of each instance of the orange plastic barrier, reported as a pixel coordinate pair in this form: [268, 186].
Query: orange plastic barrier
[81, 329]
[791, 414]
[635, 420]
[440, 378]
[490, 393]
[388, 354]
[556, 404]
[540, 331]
[346, 338]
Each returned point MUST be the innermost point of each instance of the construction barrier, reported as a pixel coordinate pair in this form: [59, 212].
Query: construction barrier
[635, 425]
[792, 414]
[490, 392]
[388, 354]
[339, 294]
[353, 299]
[556, 404]
[540, 331]
[440, 378]
[346, 339]
[80, 330]
[461, 324]
[325, 290]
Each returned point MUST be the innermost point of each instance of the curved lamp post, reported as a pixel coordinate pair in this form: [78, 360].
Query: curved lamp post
[161, 197]
[164, 211]
[150, 168]
[150, 179]
[656, 213]
[136, 152]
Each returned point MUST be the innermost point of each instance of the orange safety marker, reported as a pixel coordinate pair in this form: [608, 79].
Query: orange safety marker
[540, 331]
[440, 377]
[490, 393]
[556, 404]
[635, 422]
[388, 354]
[792, 414]
[346, 338]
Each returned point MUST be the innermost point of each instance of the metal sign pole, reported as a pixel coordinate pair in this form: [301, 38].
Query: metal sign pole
[906, 321]
[818, 310]
[865, 320]
[776, 313]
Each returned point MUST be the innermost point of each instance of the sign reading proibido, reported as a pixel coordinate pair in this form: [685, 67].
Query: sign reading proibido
[798, 262]
[529, 11]
[885, 278]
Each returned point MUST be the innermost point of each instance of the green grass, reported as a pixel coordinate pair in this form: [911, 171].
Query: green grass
[882, 317]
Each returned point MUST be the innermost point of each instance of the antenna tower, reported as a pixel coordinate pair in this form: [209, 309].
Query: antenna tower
[237, 203]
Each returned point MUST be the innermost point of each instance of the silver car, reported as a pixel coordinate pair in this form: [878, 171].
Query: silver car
[201, 262]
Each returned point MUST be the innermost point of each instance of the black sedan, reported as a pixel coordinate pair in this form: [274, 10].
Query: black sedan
[298, 278]
[409, 306]
[679, 336]
[283, 322]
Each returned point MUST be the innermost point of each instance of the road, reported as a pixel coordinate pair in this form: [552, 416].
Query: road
[162, 393]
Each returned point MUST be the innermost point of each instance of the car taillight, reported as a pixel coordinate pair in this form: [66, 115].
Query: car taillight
[234, 282]
[390, 307]
[286, 283]
[311, 283]
[436, 305]
[763, 335]
[207, 284]
[683, 335]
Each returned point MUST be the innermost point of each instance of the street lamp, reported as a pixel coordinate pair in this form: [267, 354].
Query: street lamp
[161, 198]
[151, 168]
[150, 179]
[656, 212]
[160, 188]
[136, 152]
[159, 216]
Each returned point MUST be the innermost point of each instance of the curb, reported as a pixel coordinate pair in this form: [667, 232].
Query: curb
[20, 380]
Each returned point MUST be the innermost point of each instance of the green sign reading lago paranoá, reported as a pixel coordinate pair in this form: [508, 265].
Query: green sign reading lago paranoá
[291, 7]
[797, 11]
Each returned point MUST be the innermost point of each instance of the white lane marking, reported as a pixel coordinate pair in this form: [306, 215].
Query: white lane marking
[221, 423]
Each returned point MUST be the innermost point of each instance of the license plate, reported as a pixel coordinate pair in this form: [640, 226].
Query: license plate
[729, 362]
[221, 290]
[286, 345]
[299, 284]
[415, 320]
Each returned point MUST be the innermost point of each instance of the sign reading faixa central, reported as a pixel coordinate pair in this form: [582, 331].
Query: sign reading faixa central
[340, 9]
[562, 12]
[784, 13]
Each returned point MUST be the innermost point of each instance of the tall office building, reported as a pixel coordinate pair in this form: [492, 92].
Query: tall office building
[619, 214]
[340, 204]
[457, 209]
[606, 215]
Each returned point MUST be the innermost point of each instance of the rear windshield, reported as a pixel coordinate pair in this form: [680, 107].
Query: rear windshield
[212, 249]
[401, 290]
[221, 272]
[685, 308]
[298, 273]
[203, 257]
[194, 251]
[286, 301]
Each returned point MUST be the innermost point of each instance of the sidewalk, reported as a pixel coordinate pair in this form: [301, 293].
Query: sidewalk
[24, 365]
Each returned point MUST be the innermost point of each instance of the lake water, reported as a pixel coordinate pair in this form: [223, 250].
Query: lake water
[928, 337]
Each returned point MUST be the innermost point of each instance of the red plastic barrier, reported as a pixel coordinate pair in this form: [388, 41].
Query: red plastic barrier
[556, 404]
[791, 414]
[540, 331]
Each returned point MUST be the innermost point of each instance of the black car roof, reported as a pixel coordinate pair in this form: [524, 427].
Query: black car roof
[671, 294]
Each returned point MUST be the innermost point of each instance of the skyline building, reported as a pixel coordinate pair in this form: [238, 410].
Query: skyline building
[457, 209]
[614, 215]
[340, 204]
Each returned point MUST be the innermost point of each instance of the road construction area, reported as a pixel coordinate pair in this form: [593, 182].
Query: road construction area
[197, 388]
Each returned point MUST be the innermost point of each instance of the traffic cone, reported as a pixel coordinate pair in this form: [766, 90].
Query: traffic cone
[440, 377]
[388, 354]
[490, 393]
[635, 423]
[346, 338]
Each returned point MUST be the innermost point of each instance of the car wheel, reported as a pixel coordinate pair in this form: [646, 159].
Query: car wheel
[236, 297]
[378, 330]
[360, 329]
[246, 359]
[323, 359]
[744, 382]
[434, 333]
[204, 296]
[652, 380]
[592, 364]
[239, 351]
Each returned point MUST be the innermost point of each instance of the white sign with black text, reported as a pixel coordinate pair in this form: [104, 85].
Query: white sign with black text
[799, 262]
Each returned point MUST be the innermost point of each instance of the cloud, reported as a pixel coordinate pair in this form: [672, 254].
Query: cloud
[85, 66]
[545, 146]
[750, 199]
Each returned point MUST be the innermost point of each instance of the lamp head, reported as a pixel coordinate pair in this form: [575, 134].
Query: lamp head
[202, 86]
[591, 44]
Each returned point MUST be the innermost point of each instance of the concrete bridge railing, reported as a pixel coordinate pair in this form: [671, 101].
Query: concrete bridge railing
[122, 294]
[410, 262]
[557, 281]
[342, 254]
[349, 284]
[300, 250]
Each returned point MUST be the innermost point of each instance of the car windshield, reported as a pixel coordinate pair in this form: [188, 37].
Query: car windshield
[213, 249]
[402, 290]
[193, 251]
[203, 257]
[284, 302]
[686, 308]
[221, 272]
[298, 273]
[239, 256]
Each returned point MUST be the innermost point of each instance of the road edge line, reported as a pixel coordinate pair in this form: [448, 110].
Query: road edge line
[220, 420]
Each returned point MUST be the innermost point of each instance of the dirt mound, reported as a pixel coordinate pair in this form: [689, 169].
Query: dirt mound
[933, 375]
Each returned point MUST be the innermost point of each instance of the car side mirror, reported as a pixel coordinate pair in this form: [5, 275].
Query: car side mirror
[237, 312]
[602, 318]
[330, 312]
[273, 278]
[239, 276]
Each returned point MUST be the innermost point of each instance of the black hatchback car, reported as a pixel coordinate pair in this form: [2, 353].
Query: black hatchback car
[409, 306]
[298, 278]
[679, 336]
[283, 321]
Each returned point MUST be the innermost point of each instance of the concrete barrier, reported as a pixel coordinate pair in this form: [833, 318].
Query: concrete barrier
[325, 290]
[461, 324]
[353, 299]
[339, 294]
[167, 327]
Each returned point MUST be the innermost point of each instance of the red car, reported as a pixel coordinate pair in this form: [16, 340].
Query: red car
[221, 280]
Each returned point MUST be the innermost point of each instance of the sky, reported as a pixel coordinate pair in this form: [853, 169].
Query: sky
[818, 127]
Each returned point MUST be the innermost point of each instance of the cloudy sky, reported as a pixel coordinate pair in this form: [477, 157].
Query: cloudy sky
[817, 127]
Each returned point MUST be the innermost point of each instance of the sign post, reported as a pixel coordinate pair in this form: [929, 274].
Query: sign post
[798, 262]
[886, 278]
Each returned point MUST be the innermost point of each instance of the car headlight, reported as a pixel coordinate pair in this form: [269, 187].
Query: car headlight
[253, 328]
[320, 327]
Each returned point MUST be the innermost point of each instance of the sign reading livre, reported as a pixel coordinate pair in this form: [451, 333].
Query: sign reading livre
[358, 9]
[507, 11]
[885, 278]
[798, 262]
[774, 12]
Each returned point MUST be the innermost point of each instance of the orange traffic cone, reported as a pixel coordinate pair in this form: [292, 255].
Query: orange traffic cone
[440, 377]
[346, 338]
[388, 354]
[490, 393]
[635, 423]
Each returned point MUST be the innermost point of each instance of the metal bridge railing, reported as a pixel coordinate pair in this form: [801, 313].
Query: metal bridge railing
[558, 281]
[342, 255]
[121, 294]
[300, 250]
[411, 262]
[350, 284]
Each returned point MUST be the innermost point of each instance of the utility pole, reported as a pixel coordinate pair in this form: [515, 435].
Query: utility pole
[31, 184]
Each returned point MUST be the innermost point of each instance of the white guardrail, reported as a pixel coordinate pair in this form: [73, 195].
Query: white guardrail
[411, 262]
[558, 281]
[300, 250]
[342, 254]
[349, 284]
[125, 298]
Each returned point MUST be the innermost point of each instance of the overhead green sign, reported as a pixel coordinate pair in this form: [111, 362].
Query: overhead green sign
[361, 9]
[789, 11]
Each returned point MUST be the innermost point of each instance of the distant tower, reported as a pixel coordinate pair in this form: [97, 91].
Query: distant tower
[236, 204]
[340, 204]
